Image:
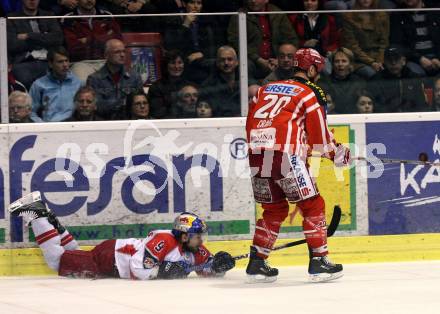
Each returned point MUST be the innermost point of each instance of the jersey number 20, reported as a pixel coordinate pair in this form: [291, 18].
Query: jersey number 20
[273, 107]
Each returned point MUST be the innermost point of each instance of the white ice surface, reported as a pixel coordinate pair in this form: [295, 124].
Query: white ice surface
[366, 288]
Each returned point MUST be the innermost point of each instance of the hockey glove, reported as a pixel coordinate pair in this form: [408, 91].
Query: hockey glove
[342, 156]
[223, 261]
[171, 270]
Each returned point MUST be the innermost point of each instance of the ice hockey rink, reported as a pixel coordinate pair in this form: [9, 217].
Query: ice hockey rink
[407, 287]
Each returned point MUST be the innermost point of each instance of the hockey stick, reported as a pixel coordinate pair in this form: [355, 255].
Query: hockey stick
[391, 161]
[334, 223]
[400, 161]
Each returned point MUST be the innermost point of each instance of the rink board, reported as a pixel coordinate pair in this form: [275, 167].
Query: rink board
[122, 179]
[346, 250]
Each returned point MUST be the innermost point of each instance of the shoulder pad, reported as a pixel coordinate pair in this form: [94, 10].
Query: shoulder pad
[319, 93]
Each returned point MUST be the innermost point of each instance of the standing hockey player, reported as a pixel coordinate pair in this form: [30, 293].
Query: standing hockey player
[164, 254]
[286, 121]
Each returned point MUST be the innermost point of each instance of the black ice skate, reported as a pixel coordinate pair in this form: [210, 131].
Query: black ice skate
[31, 207]
[321, 269]
[258, 270]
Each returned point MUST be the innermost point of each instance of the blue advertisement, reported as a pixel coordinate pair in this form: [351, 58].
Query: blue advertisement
[405, 198]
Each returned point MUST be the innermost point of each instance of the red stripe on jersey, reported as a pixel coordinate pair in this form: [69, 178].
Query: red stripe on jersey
[46, 236]
[68, 238]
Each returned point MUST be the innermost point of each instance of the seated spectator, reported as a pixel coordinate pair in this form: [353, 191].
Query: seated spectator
[113, 83]
[365, 102]
[397, 88]
[86, 37]
[330, 104]
[420, 33]
[317, 31]
[138, 24]
[348, 4]
[85, 105]
[222, 21]
[52, 95]
[59, 7]
[9, 6]
[195, 37]
[366, 34]
[342, 84]
[203, 110]
[222, 88]
[20, 107]
[29, 40]
[187, 99]
[284, 70]
[265, 33]
[436, 94]
[131, 6]
[163, 93]
[13, 84]
[138, 106]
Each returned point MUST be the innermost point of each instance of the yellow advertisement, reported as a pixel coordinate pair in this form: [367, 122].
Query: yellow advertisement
[336, 185]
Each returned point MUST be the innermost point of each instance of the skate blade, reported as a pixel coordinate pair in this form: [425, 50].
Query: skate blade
[324, 277]
[260, 279]
[25, 200]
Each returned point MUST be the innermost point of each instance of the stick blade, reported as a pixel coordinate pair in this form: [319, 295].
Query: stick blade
[334, 223]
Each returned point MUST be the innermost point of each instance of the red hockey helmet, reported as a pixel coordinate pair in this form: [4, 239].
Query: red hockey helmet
[306, 57]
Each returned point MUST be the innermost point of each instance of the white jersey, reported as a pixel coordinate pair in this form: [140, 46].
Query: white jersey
[140, 258]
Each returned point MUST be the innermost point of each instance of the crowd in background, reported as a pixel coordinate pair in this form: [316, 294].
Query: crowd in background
[75, 69]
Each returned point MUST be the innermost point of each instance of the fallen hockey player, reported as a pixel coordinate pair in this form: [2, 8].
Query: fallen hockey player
[164, 254]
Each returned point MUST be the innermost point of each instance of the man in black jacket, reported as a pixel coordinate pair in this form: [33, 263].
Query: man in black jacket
[420, 33]
[222, 88]
[397, 88]
[29, 40]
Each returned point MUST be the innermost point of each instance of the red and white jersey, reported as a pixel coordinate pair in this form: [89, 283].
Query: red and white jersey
[289, 116]
[140, 258]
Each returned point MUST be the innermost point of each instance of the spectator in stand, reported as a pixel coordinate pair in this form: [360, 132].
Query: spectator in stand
[13, 84]
[85, 105]
[20, 107]
[397, 88]
[195, 37]
[138, 24]
[265, 33]
[86, 37]
[330, 104]
[436, 95]
[222, 21]
[113, 83]
[317, 31]
[342, 84]
[29, 40]
[138, 106]
[365, 102]
[420, 33]
[366, 34]
[204, 110]
[222, 88]
[284, 70]
[348, 4]
[163, 93]
[52, 95]
[187, 99]
[9, 6]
